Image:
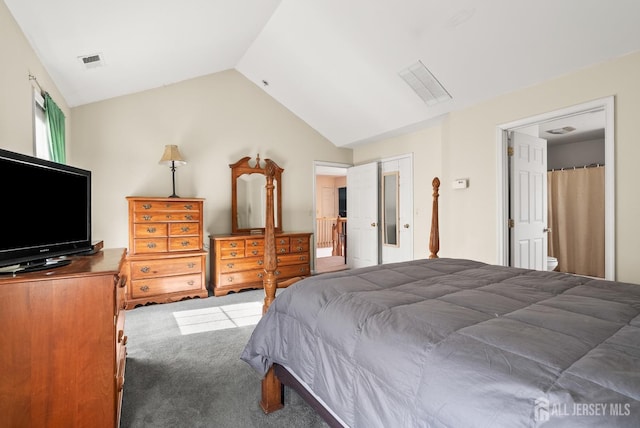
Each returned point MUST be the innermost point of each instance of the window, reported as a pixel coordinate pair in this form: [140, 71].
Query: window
[40, 137]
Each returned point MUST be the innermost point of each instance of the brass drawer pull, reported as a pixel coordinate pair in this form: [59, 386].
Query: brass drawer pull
[185, 229]
[146, 206]
[188, 217]
[283, 250]
[302, 258]
[260, 262]
[260, 275]
[277, 272]
[191, 265]
[144, 288]
[168, 217]
[233, 244]
[146, 217]
[282, 241]
[233, 254]
[254, 243]
[151, 229]
[298, 248]
[230, 279]
[230, 265]
[185, 243]
[254, 252]
[191, 282]
[188, 207]
[151, 245]
[145, 269]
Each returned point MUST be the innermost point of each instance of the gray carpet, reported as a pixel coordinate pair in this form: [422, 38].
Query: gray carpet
[197, 380]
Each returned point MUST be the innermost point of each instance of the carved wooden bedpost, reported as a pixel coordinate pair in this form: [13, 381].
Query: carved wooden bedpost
[271, 387]
[434, 237]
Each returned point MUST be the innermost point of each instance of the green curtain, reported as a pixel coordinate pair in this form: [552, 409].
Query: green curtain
[55, 129]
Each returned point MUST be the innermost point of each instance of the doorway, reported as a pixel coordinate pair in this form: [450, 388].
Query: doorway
[330, 184]
[604, 105]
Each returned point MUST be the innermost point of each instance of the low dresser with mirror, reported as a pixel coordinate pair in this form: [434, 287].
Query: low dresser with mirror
[237, 258]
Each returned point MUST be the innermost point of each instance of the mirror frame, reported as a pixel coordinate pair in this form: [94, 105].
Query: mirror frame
[243, 167]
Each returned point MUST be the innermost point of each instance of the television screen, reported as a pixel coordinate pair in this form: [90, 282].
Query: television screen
[46, 211]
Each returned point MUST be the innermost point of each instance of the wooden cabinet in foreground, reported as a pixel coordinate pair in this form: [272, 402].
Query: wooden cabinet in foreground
[237, 260]
[166, 258]
[63, 344]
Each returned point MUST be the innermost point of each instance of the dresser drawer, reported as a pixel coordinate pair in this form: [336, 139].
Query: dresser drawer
[293, 270]
[179, 229]
[240, 278]
[150, 245]
[150, 205]
[254, 242]
[185, 243]
[292, 259]
[282, 241]
[235, 244]
[156, 216]
[241, 265]
[254, 251]
[150, 230]
[300, 247]
[170, 284]
[163, 267]
[231, 253]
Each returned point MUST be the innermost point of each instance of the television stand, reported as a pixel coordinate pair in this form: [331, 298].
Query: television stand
[35, 266]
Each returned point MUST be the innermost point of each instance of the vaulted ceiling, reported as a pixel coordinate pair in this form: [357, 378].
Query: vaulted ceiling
[334, 63]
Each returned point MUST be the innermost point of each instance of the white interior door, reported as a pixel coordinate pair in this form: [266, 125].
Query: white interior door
[529, 202]
[362, 217]
[397, 232]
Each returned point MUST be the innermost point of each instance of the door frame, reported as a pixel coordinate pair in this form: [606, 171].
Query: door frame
[314, 207]
[606, 104]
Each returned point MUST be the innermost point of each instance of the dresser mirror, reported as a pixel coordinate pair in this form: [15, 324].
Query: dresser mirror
[248, 196]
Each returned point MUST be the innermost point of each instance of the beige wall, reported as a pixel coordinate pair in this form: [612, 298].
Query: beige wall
[334, 182]
[215, 120]
[467, 149]
[17, 61]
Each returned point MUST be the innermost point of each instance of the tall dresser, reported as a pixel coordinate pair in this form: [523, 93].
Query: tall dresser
[166, 258]
[237, 260]
[63, 344]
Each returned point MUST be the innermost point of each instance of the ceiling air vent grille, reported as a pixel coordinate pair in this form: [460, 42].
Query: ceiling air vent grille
[420, 79]
[92, 61]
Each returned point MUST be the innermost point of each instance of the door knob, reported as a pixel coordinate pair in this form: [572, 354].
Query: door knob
[547, 230]
[406, 226]
[373, 224]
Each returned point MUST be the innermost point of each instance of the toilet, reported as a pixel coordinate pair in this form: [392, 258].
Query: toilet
[552, 263]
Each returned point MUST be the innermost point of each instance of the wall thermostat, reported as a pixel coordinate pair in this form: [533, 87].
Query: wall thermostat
[460, 183]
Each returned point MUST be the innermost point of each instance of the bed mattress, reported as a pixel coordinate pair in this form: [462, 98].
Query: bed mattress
[459, 343]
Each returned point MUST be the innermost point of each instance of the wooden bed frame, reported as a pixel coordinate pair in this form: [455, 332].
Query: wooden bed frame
[277, 377]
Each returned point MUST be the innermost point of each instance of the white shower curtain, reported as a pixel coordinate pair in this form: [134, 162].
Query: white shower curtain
[576, 219]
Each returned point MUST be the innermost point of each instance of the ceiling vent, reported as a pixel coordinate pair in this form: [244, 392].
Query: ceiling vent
[561, 131]
[92, 61]
[420, 79]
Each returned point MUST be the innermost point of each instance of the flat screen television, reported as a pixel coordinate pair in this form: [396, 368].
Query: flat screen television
[46, 212]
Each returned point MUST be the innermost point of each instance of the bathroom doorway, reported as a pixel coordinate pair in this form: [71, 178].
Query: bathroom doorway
[542, 123]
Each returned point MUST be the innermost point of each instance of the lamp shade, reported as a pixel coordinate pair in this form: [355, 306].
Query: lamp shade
[172, 156]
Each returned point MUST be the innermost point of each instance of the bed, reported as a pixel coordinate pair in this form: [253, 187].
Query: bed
[446, 342]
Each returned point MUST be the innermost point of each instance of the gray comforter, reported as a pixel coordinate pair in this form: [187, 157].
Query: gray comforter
[458, 343]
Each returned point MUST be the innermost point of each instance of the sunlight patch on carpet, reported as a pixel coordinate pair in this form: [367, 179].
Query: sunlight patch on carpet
[218, 318]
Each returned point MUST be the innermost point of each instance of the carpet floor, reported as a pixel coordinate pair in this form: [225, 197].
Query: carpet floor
[192, 376]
